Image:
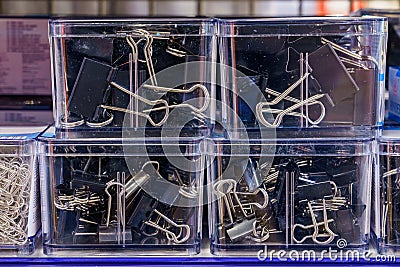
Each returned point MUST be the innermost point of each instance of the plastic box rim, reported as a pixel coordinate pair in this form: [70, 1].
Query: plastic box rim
[57, 25]
[305, 20]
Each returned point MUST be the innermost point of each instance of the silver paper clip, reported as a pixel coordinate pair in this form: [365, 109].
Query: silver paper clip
[15, 189]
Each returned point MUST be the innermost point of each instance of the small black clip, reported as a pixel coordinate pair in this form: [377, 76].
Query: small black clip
[90, 88]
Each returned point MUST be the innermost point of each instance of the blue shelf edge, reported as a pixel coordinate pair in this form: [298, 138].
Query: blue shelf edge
[186, 261]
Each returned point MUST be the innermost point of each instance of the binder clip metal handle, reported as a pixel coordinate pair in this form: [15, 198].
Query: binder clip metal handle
[201, 109]
[144, 100]
[184, 229]
[329, 235]
[260, 108]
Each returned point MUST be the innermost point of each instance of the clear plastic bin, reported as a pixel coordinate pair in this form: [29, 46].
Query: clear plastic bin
[303, 72]
[117, 197]
[19, 197]
[392, 60]
[386, 208]
[114, 73]
[291, 194]
[393, 48]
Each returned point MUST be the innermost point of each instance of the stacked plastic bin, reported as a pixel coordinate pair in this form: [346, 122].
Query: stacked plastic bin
[19, 187]
[392, 61]
[386, 206]
[25, 107]
[386, 200]
[291, 159]
[284, 124]
[123, 173]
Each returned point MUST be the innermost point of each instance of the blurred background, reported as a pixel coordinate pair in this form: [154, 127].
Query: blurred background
[190, 7]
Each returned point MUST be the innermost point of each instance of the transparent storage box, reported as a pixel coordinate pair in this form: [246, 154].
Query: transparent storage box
[387, 205]
[393, 47]
[392, 60]
[114, 73]
[302, 72]
[118, 198]
[290, 194]
[19, 196]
